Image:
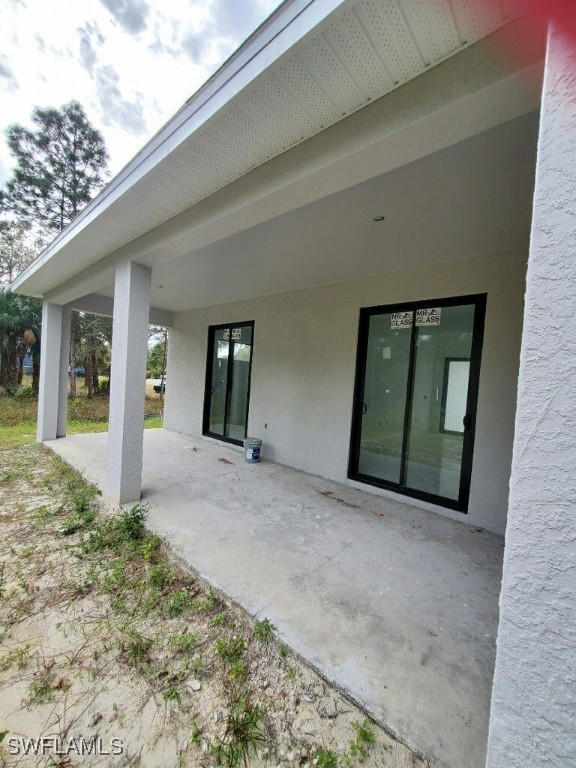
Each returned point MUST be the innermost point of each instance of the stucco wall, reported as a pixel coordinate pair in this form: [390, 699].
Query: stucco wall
[304, 367]
[533, 714]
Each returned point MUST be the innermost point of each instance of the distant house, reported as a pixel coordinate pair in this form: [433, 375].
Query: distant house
[361, 234]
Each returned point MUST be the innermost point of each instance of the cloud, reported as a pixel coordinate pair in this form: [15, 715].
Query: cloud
[115, 109]
[7, 76]
[235, 19]
[40, 44]
[228, 24]
[130, 14]
[88, 57]
[194, 46]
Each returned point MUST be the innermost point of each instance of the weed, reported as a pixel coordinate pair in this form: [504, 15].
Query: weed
[243, 732]
[196, 736]
[132, 523]
[207, 602]
[325, 758]
[172, 693]
[238, 671]
[184, 642]
[21, 579]
[82, 499]
[219, 619]
[292, 672]
[151, 547]
[7, 477]
[118, 532]
[263, 630]
[41, 689]
[28, 551]
[219, 754]
[282, 652]
[120, 716]
[230, 650]
[115, 578]
[365, 739]
[160, 576]
[196, 664]
[178, 602]
[137, 647]
[118, 604]
[84, 514]
[18, 657]
[43, 514]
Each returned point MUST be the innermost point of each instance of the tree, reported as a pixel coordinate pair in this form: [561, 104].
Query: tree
[157, 354]
[59, 167]
[20, 321]
[93, 345]
[16, 251]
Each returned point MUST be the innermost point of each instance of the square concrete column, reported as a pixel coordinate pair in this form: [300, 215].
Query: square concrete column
[533, 712]
[128, 377]
[52, 400]
[64, 365]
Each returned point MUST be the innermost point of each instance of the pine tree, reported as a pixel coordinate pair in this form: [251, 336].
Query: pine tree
[59, 167]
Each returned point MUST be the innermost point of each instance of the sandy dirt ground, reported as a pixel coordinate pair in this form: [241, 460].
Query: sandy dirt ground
[113, 654]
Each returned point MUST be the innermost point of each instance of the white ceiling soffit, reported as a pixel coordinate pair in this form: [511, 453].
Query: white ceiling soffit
[311, 65]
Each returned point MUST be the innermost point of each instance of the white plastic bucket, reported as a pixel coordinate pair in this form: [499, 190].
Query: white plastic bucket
[252, 446]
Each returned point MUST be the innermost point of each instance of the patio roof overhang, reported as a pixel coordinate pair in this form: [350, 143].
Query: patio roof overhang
[328, 108]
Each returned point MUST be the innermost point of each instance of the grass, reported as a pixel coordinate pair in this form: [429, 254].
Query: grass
[18, 416]
[129, 611]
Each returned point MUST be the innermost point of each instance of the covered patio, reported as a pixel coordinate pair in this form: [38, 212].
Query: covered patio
[397, 607]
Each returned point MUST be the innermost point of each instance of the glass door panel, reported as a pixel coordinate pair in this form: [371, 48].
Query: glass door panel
[384, 399]
[219, 379]
[240, 383]
[433, 452]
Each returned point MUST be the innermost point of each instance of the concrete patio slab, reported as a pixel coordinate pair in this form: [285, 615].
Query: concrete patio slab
[395, 605]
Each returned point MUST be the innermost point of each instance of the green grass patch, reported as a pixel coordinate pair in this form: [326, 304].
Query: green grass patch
[18, 417]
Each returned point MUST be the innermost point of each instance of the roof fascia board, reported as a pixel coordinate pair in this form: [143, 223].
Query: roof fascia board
[265, 48]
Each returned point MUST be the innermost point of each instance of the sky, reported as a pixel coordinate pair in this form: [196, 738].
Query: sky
[130, 63]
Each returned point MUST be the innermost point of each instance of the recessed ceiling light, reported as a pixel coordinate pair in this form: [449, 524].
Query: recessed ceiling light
[379, 218]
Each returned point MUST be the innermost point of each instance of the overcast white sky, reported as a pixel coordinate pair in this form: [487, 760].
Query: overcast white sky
[130, 63]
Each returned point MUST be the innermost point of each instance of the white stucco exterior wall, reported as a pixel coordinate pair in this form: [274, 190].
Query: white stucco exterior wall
[304, 367]
[533, 718]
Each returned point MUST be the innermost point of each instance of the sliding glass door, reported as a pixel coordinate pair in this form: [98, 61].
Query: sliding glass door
[415, 399]
[228, 381]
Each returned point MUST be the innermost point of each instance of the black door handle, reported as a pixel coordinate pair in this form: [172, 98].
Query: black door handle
[467, 421]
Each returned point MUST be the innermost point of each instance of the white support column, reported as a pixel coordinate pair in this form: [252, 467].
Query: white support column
[63, 374]
[533, 711]
[128, 376]
[50, 379]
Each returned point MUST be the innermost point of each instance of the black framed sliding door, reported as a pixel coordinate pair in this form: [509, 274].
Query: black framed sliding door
[228, 371]
[415, 398]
